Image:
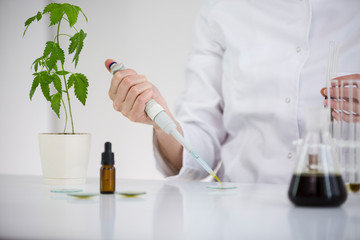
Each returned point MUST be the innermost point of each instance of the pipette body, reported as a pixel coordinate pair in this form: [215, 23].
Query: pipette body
[157, 114]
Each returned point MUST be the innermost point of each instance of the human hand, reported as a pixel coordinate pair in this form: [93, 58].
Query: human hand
[350, 98]
[130, 92]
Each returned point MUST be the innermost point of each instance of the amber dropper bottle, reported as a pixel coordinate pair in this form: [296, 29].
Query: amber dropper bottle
[107, 171]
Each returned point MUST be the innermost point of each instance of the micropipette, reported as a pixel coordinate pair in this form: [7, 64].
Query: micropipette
[157, 114]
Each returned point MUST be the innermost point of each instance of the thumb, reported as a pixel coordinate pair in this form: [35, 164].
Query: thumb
[323, 92]
[108, 63]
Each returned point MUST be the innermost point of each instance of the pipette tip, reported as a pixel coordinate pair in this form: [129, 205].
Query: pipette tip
[205, 165]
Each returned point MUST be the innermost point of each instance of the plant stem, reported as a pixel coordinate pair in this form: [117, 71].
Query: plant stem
[68, 97]
[66, 116]
[66, 87]
[63, 34]
[72, 26]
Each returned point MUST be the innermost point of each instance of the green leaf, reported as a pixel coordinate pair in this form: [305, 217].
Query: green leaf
[77, 43]
[50, 7]
[70, 82]
[79, 9]
[34, 85]
[38, 16]
[36, 63]
[48, 63]
[72, 13]
[80, 86]
[62, 73]
[59, 53]
[56, 54]
[45, 79]
[57, 82]
[56, 12]
[56, 103]
[74, 42]
[48, 48]
[36, 66]
[30, 20]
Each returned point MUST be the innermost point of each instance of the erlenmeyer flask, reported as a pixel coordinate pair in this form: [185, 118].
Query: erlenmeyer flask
[317, 180]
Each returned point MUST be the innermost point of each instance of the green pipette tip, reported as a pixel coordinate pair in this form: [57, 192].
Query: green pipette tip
[204, 165]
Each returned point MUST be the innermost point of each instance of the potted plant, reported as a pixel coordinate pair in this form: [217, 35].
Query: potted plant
[64, 156]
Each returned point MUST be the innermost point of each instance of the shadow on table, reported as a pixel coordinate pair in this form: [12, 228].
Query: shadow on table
[168, 220]
[317, 223]
[107, 215]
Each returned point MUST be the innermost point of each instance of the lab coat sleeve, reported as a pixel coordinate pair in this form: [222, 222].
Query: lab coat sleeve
[199, 109]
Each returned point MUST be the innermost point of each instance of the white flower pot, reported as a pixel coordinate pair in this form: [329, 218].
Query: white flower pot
[64, 157]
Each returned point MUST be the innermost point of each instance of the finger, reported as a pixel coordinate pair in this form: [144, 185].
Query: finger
[342, 110]
[336, 115]
[348, 77]
[128, 82]
[335, 104]
[342, 93]
[351, 92]
[118, 103]
[333, 92]
[352, 87]
[342, 105]
[323, 92]
[137, 113]
[326, 102]
[134, 92]
[347, 118]
[117, 79]
[108, 62]
[349, 107]
[345, 80]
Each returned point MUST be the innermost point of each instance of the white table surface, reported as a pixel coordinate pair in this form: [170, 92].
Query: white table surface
[169, 210]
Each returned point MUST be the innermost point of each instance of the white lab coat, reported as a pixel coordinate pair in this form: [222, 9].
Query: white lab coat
[255, 66]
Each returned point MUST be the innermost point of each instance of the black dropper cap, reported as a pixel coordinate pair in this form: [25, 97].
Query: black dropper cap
[107, 157]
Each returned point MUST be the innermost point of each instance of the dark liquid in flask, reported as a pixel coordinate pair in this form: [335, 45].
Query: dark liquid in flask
[317, 190]
[354, 187]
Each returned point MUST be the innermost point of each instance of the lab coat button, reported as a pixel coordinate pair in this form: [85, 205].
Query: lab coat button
[289, 155]
[287, 100]
[298, 49]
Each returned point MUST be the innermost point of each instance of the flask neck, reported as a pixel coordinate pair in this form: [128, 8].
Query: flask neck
[107, 166]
